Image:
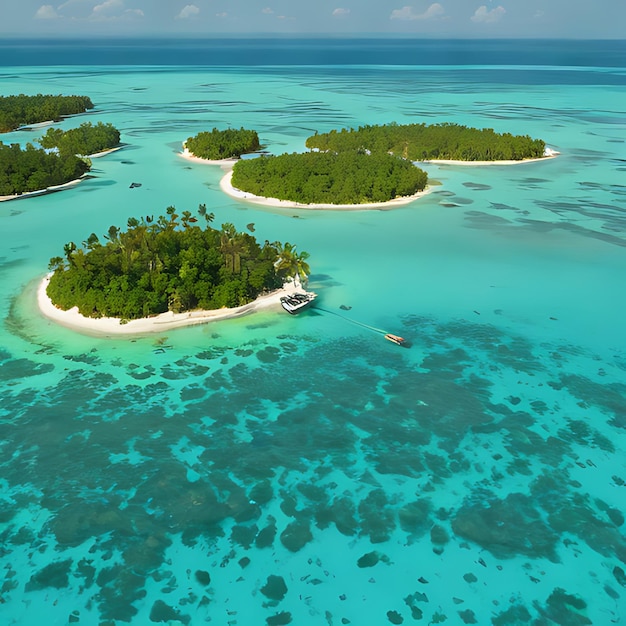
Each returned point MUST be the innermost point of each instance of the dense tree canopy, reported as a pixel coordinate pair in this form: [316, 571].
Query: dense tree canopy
[86, 139]
[16, 111]
[33, 169]
[223, 144]
[439, 141]
[170, 263]
[329, 178]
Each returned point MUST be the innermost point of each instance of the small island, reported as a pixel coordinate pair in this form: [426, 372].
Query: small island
[171, 266]
[22, 110]
[421, 142]
[34, 171]
[223, 144]
[328, 178]
[373, 167]
[86, 140]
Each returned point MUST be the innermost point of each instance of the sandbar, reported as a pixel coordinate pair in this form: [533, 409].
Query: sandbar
[548, 154]
[109, 326]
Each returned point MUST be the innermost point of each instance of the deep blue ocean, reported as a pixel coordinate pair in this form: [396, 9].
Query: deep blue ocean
[311, 51]
[302, 470]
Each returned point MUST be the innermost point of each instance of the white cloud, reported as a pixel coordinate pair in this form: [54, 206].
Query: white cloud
[78, 3]
[539, 14]
[433, 12]
[483, 16]
[267, 11]
[188, 11]
[339, 12]
[113, 11]
[46, 12]
[108, 7]
[222, 14]
[89, 10]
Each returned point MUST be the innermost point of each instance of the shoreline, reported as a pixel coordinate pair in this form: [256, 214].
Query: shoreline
[42, 192]
[110, 326]
[189, 156]
[227, 187]
[97, 155]
[233, 192]
[548, 154]
[53, 188]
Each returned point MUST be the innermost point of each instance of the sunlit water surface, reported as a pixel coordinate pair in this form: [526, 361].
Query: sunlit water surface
[277, 469]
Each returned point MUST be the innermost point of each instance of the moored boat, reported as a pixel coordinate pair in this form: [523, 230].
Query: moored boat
[297, 302]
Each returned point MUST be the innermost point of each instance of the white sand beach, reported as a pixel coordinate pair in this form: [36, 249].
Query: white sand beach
[109, 326]
[189, 156]
[41, 192]
[226, 187]
[548, 154]
[35, 126]
[97, 155]
[71, 183]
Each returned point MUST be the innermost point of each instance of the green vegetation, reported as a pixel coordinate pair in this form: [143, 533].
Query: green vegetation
[33, 169]
[16, 111]
[223, 144]
[169, 263]
[86, 139]
[329, 178]
[440, 141]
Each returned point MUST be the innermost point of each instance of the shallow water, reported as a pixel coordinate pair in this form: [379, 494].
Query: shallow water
[273, 469]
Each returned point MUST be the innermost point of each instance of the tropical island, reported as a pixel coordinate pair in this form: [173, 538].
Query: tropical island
[421, 142]
[223, 144]
[21, 110]
[33, 169]
[171, 265]
[329, 178]
[371, 167]
[87, 139]
[56, 165]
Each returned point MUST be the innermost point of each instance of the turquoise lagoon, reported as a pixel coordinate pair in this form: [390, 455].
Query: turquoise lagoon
[274, 470]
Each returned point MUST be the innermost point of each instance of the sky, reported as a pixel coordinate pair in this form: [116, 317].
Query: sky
[592, 19]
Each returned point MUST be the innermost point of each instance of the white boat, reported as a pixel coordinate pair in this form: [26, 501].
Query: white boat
[296, 302]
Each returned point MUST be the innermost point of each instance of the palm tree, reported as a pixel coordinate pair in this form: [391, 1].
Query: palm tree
[238, 248]
[302, 269]
[56, 263]
[209, 217]
[112, 234]
[185, 218]
[171, 211]
[91, 242]
[227, 240]
[69, 249]
[292, 263]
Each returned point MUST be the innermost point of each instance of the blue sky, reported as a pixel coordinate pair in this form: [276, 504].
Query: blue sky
[594, 19]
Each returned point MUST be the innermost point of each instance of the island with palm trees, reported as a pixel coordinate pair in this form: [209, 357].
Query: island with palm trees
[217, 144]
[172, 270]
[62, 161]
[431, 142]
[21, 110]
